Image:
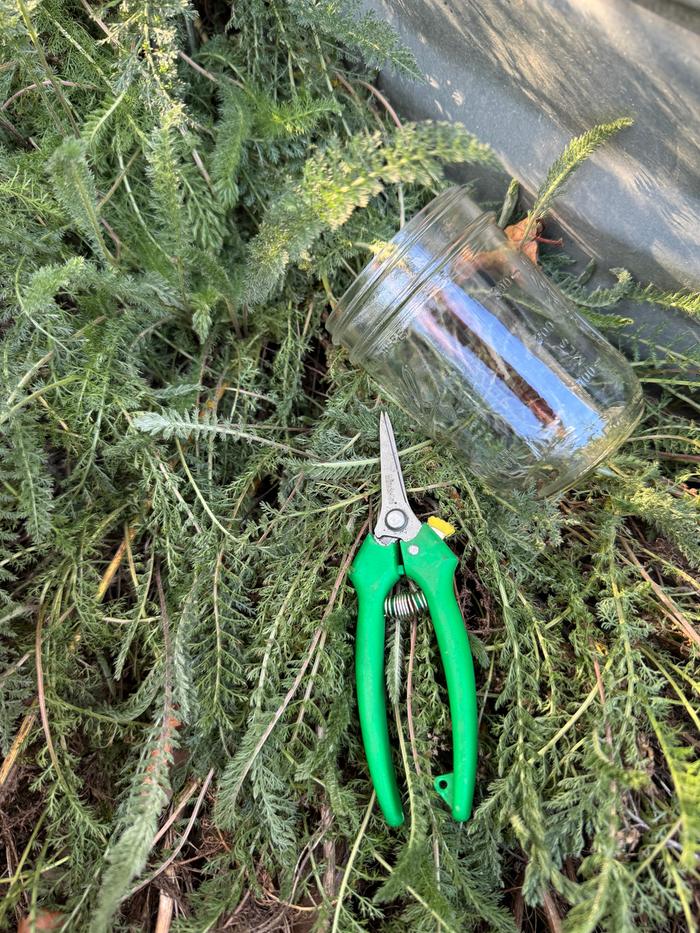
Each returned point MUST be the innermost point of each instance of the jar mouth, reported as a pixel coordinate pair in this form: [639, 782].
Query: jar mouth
[392, 254]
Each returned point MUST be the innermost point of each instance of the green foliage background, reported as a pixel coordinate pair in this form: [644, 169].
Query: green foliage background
[186, 469]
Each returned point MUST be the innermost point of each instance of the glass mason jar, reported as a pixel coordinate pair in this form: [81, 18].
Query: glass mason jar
[468, 336]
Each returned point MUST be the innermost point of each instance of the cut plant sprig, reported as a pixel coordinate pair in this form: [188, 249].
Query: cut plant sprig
[577, 151]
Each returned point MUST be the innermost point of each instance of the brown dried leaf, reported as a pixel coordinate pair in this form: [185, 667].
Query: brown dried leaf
[515, 233]
[44, 920]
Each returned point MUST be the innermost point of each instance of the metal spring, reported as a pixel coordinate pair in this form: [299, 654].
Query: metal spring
[405, 604]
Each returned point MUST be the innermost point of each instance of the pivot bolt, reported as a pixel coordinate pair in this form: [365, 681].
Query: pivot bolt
[396, 519]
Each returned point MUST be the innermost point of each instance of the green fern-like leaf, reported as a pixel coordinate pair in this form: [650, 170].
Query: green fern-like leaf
[605, 321]
[202, 304]
[599, 297]
[167, 185]
[74, 187]
[98, 122]
[684, 300]
[127, 854]
[36, 487]
[684, 766]
[231, 133]
[286, 119]
[341, 179]
[362, 32]
[182, 425]
[577, 151]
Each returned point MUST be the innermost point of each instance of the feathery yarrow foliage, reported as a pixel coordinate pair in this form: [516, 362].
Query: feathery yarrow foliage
[186, 468]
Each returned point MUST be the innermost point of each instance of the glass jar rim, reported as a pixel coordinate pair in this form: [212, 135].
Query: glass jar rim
[393, 252]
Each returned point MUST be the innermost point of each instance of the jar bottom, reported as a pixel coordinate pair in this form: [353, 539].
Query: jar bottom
[556, 475]
[544, 476]
[595, 453]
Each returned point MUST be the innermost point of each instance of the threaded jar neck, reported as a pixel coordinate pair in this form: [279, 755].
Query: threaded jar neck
[411, 266]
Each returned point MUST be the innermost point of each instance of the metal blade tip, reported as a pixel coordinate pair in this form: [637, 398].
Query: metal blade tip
[396, 518]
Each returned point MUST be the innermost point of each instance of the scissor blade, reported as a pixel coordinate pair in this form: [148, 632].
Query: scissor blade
[396, 518]
[393, 489]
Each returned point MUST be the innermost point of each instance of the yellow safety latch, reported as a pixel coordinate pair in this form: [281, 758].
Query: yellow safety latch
[443, 528]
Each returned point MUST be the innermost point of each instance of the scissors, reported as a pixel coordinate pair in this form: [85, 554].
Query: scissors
[403, 546]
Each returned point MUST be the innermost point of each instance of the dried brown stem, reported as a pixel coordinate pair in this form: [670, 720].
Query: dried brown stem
[115, 563]
[183, 838]
[671, 609]
[551, 913]
[184, 799]
[17, 743]
[41, 695]
[383, 101]
[33, 87]
[164, 919]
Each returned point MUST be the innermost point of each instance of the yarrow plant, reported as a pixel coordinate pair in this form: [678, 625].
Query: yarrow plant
[186, 469]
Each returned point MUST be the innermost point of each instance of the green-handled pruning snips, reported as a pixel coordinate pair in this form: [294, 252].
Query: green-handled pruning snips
[401, 545]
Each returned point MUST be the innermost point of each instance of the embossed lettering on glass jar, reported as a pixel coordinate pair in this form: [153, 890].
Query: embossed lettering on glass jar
[468, 336]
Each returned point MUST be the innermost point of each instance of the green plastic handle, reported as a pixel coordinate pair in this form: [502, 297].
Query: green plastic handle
[374, 573]
[430, 563]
